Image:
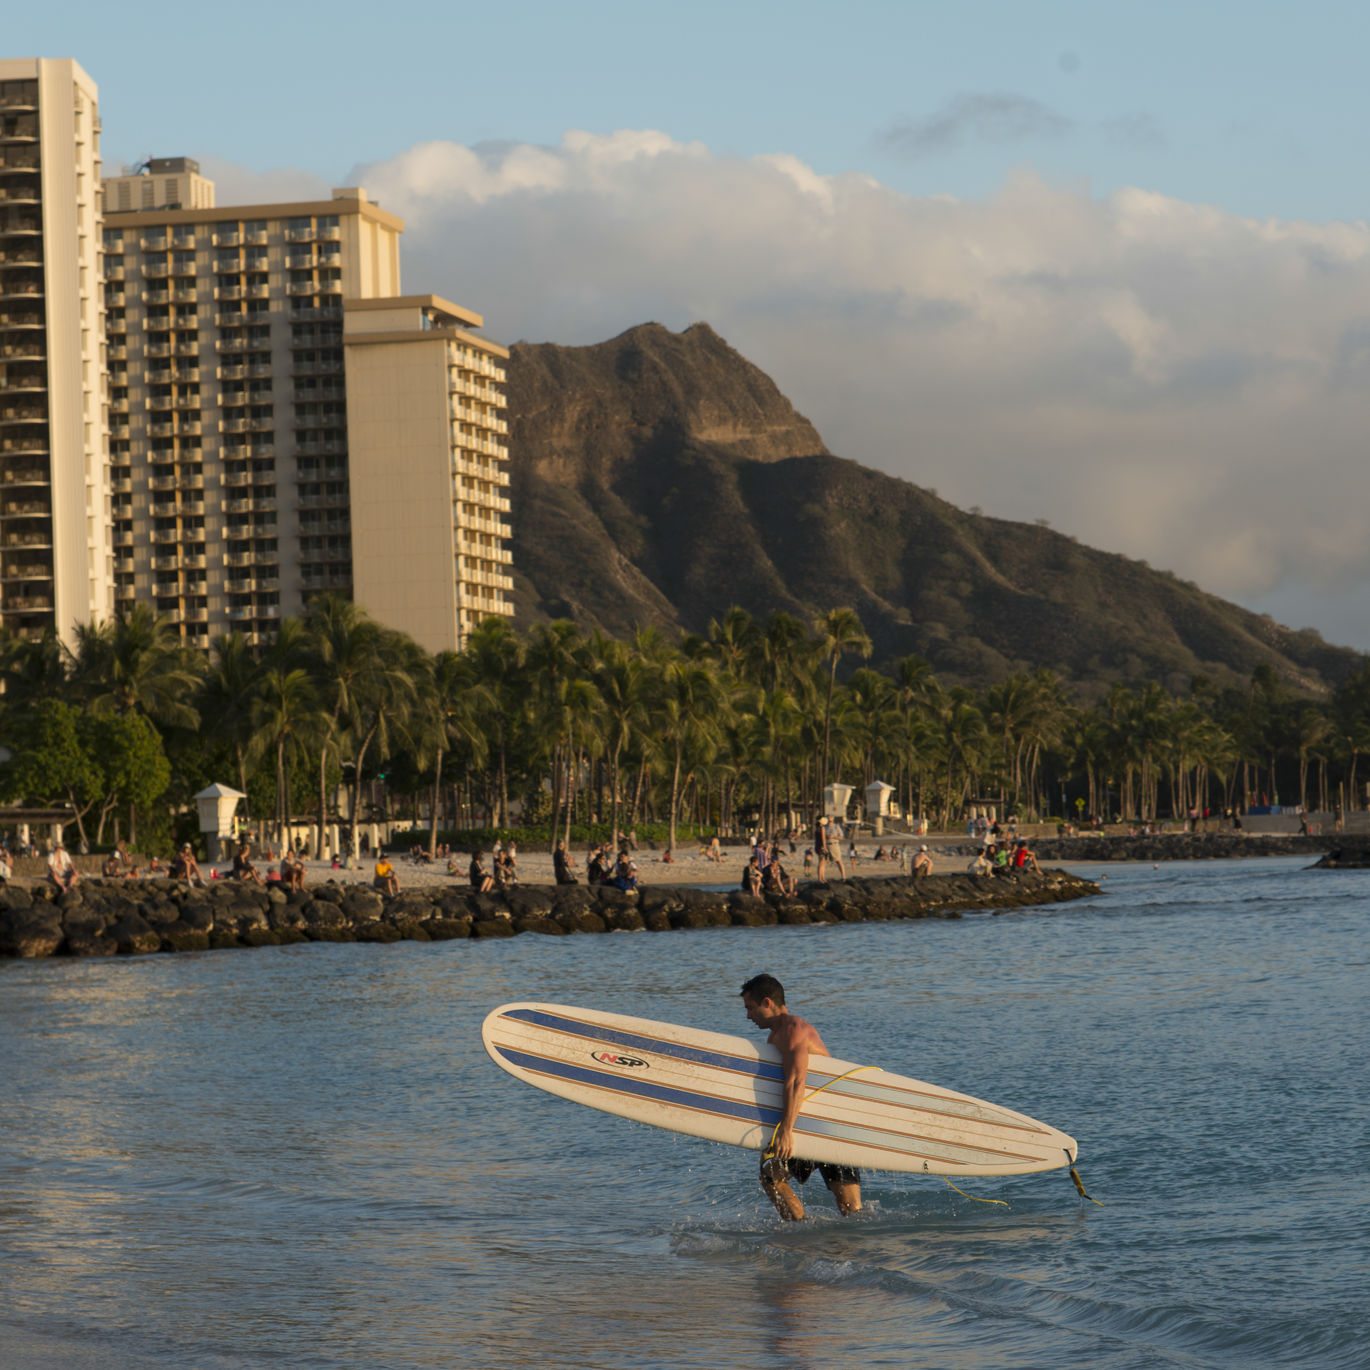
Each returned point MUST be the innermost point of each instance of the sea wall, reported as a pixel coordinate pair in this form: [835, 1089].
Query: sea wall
[106, 918]
[1175, 846]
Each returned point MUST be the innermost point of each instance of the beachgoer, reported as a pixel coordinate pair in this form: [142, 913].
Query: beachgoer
[763, 998]
[385, 878]
[980, 865]
[292, 870]
[61, 869]
[243, 869]
[481, 879]
[1023, 859]
[561, 865]
[185, 866]
[751, 876]
[597, 866]
[820, 846]
[668, 857]
[922, 863]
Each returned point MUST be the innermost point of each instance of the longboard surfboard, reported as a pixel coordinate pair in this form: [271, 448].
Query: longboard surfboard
[728, 1089]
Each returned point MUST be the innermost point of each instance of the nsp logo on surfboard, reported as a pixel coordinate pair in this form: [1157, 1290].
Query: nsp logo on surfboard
[610, 1058]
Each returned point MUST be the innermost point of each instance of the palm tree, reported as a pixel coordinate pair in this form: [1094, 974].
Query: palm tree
[688, 699]
[381, 704]
[345, 652]
[446, 714]
[839, 632]
[226, 697]
[286, 717]
[621, 683]
[134, 662]
[497, 660]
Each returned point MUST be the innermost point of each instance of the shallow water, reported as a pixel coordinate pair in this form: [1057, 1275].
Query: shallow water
[301, 1156]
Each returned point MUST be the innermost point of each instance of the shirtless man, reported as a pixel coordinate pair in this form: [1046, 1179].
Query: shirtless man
[763, 998]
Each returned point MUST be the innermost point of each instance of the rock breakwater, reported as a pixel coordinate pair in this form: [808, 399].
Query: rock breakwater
[108, 918]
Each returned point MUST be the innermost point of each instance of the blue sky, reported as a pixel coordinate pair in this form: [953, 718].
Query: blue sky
[1103, 264]
[1256, 107]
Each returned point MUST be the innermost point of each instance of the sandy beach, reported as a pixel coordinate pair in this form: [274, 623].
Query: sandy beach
[689, 868]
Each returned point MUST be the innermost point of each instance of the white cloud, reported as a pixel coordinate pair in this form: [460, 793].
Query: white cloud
[1158, 378]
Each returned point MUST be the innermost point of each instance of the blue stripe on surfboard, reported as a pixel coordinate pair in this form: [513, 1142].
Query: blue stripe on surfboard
[745, 1064]
[852, 1087]
[644, 1089]
[730, 1108]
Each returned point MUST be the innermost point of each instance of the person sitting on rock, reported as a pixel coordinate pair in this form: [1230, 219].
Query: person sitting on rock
[774, 880]
[481, 879]
[625, 874]
[1023, 859]
[243, 869]
[385, 878]
[6, 865]
[110, 867]
[126, 866]
[597, 866]
[506, 873]
[561, 866]
[980, 864]
[61, 869]
[184, 866]
[292, 870]
[999, 855]
[922, 863]
[751, 876]
[881, 854]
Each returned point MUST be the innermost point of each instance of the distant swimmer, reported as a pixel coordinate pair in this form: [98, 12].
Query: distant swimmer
[763, 997]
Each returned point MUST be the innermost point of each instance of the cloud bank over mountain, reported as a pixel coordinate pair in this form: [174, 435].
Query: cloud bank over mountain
[1156, 377]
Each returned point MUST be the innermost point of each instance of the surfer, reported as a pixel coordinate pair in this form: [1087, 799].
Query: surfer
[763, 997]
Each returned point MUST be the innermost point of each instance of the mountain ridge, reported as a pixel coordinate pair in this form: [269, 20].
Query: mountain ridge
[658, 478]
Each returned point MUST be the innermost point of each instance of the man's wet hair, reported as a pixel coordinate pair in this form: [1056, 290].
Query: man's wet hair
[761, 987]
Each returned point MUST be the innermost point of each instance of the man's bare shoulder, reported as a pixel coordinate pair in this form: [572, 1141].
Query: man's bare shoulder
[794, 1033]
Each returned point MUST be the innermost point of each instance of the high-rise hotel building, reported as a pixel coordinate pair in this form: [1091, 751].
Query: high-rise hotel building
[232, 450]
[55, 556]
[427, 455]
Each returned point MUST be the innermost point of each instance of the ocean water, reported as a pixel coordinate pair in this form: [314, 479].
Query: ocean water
[301, 1156]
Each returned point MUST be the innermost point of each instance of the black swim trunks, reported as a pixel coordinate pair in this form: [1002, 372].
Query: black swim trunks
[832, 1174]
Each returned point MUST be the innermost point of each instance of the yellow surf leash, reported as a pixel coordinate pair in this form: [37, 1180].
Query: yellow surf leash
[775, 1131]
[1080, 1184]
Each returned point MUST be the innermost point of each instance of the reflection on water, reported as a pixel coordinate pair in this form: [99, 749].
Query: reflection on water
[301, 1156]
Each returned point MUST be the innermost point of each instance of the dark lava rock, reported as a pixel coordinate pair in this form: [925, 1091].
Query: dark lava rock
[180, 936]
[538, 923]
[532, 902]
[31, 932]
[624, 920]
[378, 931]
[322, 913]
[583, 920]
[445, 929]
[658, 919]
[133, 936]
[88, 944]
[281, 917]
[493, 927]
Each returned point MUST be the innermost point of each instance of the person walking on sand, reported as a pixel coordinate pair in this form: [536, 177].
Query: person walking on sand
[763, 999]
